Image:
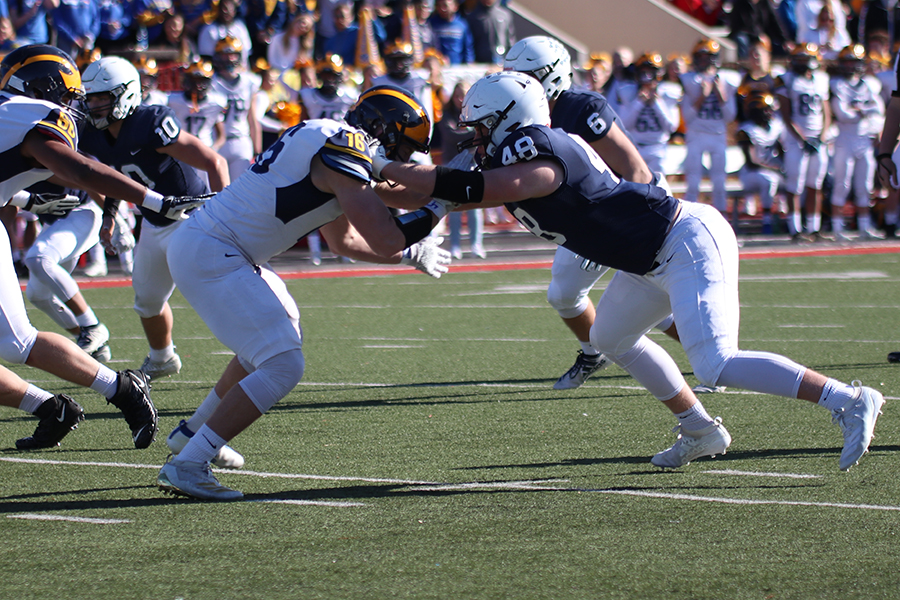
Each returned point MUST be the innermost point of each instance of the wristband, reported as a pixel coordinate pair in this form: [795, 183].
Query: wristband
[20, 199]
[153, 201]
[462, 187]
[110, 208]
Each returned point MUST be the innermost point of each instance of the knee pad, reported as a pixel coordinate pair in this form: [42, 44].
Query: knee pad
[568, 303]
[274, 379]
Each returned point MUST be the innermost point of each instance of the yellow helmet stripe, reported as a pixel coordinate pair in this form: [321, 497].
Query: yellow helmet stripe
[72, 80]
[400, 95]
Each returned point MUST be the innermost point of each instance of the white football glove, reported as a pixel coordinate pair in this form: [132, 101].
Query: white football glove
[122, 239]
[428, 257]
[52, 204]
[379, 161]
[173, 207]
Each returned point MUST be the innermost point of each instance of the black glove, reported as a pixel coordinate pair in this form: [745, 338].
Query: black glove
[173, 207]
[52, 204]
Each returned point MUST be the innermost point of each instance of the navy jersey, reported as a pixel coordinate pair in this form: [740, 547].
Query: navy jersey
[583, 113]
[593, 213]
[134, 153]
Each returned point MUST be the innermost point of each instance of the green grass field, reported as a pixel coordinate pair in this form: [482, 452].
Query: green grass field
[425, 455]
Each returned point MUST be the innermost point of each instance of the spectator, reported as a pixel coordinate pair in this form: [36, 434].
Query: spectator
[753, 19]
[808, 22]
[149, 16]
[266, 18]
[227, 24]
[826, 35]
[493, 31]
[708, 12]
[7, 36]
[174, 36]
[289, 45]
[343, 42]
[115, 26]
[196, 14]
[77, 25]
[758, 77]
[452, 35]
[29, 18]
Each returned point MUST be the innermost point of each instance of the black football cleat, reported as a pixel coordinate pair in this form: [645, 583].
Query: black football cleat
[133, 399]
[59, 415]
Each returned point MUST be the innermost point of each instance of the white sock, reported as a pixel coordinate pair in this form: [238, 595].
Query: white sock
[87, 318]
[865, 222]
[204, 411]
[588, 349]
[837, 224]
[836, 394]
[106, 382]
[203, 447]
[795, 223]
[33, 398]
[161, 356]
[695, 418]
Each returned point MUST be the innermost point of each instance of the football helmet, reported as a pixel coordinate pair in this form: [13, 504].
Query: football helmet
[398, 59]
[195, 79]
[705, 54]
[227, 55]
[760, 107]
[545, 59]
[852, 60]
[45, 73]
[503, 102]
[392, 116]
[804, 58]
[649, 67]
[330, 71]
[119, 80]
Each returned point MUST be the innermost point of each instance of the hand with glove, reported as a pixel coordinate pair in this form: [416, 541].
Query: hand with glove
[428, 257]
[120, 239]
[379, 161]
[58, 205]
[174, 207]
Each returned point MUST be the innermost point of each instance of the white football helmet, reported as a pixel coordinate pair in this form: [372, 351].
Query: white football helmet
[504, 102]
[117, 77]
[545, 59]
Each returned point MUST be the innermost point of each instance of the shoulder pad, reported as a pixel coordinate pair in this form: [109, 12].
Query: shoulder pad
[523, 145]
[348, 153]
[59, 124]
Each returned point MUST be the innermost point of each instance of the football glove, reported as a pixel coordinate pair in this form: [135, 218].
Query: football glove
[52, 204]
[441, 207]
[428, 257]
[122, 239]
[173, 207]
[379, 161]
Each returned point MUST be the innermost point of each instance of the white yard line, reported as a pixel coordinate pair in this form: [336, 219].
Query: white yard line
[38, 517]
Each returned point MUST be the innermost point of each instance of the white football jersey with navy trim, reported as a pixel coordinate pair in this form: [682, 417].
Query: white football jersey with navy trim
[274, 203]
[199, 119]
[807, 97]
[18, 116]
[238, 94]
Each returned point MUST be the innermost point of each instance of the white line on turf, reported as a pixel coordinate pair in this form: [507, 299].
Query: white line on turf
[36, 517]
[758, 474]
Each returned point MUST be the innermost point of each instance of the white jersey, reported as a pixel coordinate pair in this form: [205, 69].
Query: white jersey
[807, 96]
[18, 116]
[856, 106]
[320, 106]
[199, 119]
[238, 94]
[765, 141]
[652, 122]
[714, 115]
[274, 203]
[156, 98]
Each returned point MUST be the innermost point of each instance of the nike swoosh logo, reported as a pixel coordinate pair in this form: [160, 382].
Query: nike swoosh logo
[62, 415]
[231, 255]
[468, 192]
[133, 152]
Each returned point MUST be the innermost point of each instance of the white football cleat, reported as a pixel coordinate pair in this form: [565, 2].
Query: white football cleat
[193, 479]
[857, 420]
[585, 366]
[227, 458]
[711, 441]
[155, 370]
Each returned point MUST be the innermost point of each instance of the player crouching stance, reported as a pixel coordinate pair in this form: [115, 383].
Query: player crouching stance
[316, 176]
[670, 255]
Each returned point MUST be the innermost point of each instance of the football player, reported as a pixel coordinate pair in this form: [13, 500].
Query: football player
[671, 255]
[146, 142]
[40, 89]
[708, 107]
[330, 100]
[149, 72]
[859, 112]
[888, 159]
[317, 175]
[398, 62]
[802, 93]
[588, 115]
[653, 116]
[759, 137]
[51, 260]
[200, 111]
[243, 137]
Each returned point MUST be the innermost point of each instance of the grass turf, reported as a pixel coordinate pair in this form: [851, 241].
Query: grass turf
[425, 455]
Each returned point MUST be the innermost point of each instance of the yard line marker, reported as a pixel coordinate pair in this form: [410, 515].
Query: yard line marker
[311, 503]
[36, 517]
[742, 501]
[477, 485]
[758, 474]
[325, 477]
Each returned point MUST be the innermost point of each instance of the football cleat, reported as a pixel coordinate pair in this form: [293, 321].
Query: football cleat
[103, 354]
[155, 370]
[857, 420]
[195, 480]
[708, 389]
[227, 458]
[59, 415]
[585, 366]
[92, 338]
[133, 399]
[711, 441]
